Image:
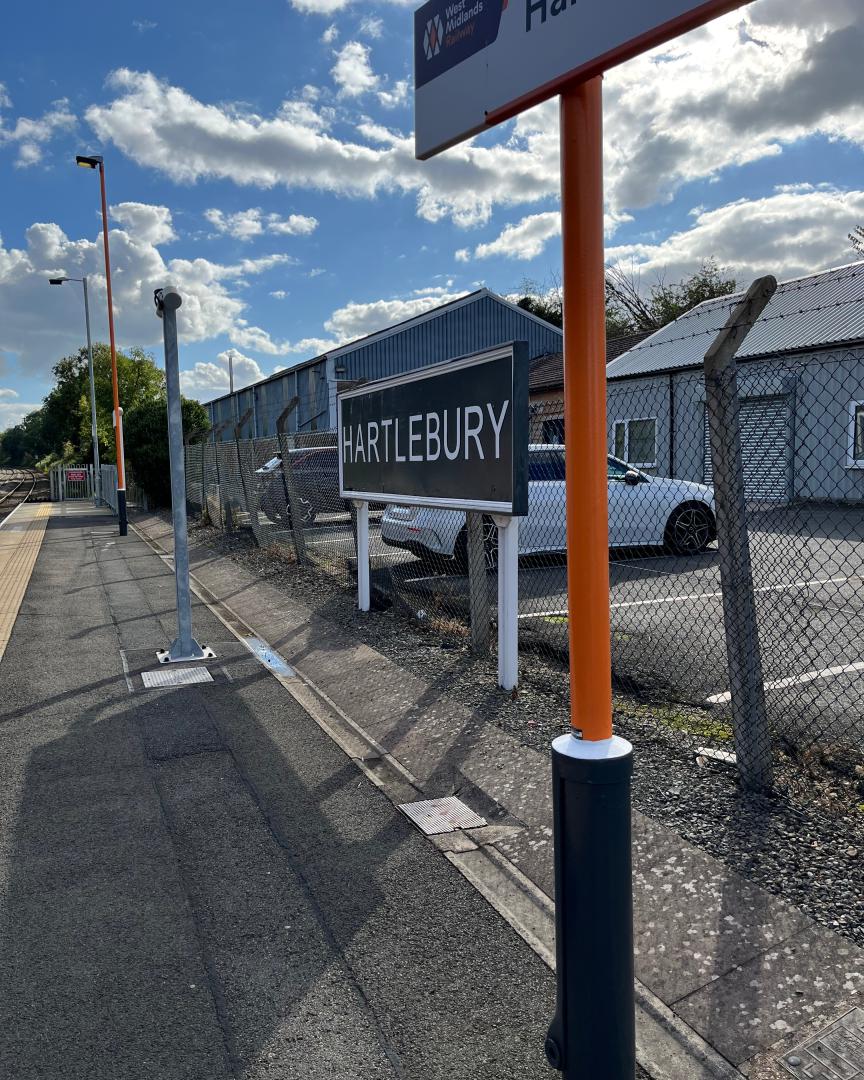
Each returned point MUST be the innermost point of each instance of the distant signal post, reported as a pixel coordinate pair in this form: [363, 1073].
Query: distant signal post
[477, 63]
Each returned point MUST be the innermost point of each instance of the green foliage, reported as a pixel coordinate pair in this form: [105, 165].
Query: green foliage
[146, 439]
[630, 307]
[59, 432]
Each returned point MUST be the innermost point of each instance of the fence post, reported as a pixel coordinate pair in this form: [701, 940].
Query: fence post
[238, 427]
[185, 647]
[508, 601]
[292, 503]
[362, 547]
[478, 593]
[749, 718]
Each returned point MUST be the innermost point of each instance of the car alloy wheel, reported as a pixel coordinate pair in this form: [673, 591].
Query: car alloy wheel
[689, 530]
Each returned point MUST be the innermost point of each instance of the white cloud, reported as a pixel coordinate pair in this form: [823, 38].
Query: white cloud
[524, 240]
[211, 379]
[163, 127]
[143, 25]
[247, 224]
[12, 413]
[320, 7]
[279, 294]
[786, 234]
[316, 271]
[462, 255]
[211, 306]
[352, 71]
[355, 320]
[396, 96]
[372, 26]
[330, 34]
[31, 136]
[7, 392]
[149, 224]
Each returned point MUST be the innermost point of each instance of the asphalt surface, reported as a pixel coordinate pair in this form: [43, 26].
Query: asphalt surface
[667, 616]
[196, 882]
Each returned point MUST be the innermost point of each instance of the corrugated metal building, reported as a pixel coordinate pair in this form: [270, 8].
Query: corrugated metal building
[480, 320]
[800, 381]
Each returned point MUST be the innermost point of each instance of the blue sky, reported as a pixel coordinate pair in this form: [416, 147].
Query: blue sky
[260, 158]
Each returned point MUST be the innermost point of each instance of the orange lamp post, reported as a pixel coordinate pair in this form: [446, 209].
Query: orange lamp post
[96, 162]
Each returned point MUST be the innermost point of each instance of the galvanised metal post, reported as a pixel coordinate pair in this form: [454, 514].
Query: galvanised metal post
[94, 433]
[185, 647]
[593, 1035]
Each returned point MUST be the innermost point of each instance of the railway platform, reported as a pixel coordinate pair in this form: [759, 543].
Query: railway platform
[195, 882]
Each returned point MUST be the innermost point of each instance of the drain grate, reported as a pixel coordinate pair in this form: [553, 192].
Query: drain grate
[436, 816]
[837, 1053]
[166, 678]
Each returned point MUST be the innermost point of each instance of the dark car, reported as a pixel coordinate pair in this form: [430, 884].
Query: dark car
[315, 476]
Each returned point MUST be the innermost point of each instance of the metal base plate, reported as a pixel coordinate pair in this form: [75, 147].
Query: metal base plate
[436, 816]
[164, 655]
[169, 680]
[837, 1053]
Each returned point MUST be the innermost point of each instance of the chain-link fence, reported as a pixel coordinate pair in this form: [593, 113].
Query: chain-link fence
[801, 422]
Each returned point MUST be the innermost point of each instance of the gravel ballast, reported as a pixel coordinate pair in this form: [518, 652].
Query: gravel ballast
[805, 844]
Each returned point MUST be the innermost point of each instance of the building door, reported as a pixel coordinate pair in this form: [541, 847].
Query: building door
[766, 445]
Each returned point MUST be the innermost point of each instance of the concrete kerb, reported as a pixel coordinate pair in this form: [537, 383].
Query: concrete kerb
[667, 1048]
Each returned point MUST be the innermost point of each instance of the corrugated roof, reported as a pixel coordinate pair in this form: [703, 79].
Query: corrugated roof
[547, 371]
[805, 313]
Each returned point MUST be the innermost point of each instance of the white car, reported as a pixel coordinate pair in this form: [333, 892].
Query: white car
[643, 511]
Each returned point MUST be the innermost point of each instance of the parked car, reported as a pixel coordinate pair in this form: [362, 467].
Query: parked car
[315, 472]
[643, 511]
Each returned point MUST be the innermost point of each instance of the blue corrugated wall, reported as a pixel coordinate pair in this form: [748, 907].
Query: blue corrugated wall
[456, 331]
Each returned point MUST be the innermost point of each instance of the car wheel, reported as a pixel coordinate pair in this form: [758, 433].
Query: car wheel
[690, 529]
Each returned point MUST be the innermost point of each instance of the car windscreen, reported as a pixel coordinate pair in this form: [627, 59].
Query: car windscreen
[546, 465]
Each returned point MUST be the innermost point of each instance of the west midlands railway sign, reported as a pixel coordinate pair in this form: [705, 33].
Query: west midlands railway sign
[453, 435]
[478, 62]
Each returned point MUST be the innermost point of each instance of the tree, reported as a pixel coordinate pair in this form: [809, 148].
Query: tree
[629, 307]
[146, 439]
[632, 308]
[856, 239]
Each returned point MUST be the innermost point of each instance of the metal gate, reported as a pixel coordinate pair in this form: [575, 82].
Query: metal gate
[71, 483]
[766, 433]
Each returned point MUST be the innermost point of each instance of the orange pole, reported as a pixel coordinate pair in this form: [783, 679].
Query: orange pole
[118, 416]
[585, 409]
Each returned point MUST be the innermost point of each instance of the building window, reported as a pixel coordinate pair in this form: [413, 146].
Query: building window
[855, 452]
[636, 441]
[553, 430]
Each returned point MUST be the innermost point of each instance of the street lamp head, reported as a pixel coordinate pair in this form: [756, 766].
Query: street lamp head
[57, 280]
[92, 162]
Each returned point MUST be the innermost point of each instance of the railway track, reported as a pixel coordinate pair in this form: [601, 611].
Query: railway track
[18, 486]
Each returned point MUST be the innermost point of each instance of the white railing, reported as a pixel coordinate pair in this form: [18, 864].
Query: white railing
[109, 486]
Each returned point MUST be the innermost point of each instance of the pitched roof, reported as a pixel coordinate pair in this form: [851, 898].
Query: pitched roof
[805, 313]
[547, 370]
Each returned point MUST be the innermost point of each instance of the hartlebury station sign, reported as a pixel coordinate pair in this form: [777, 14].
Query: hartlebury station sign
[453, 435]
[478, 62]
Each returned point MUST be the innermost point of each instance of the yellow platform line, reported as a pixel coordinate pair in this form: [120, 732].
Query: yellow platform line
[20, 544]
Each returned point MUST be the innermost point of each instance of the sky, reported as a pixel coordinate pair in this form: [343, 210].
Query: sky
[260, 158]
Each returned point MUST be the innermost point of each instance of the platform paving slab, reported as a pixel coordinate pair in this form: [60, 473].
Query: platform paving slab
[699, 925]
[198, 883]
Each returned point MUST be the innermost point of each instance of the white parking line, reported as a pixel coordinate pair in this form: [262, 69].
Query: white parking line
[794, 680]
[699, 596]
[714, 595]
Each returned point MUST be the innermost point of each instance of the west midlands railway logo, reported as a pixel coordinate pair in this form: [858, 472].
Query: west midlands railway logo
[432, 37]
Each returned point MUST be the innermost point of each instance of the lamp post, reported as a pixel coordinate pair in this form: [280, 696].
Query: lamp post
[95, 162]
[94, 433]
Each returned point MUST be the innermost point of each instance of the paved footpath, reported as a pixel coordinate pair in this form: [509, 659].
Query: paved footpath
[729, 977]
[197, 883]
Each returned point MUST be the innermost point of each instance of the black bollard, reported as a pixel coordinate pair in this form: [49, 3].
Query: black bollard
[593, 1035]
